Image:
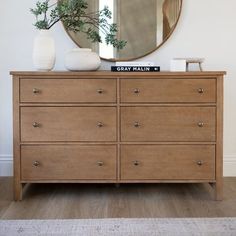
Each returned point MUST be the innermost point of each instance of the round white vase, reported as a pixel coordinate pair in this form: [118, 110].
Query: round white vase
[82, 59]
[44, 52]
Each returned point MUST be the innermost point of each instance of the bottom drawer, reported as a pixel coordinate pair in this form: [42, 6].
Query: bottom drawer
[68, 162]
[167, 162]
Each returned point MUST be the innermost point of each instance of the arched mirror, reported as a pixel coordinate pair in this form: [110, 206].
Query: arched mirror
[144, 24]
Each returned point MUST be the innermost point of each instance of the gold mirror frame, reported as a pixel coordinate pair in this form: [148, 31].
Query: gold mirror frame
[145, 54]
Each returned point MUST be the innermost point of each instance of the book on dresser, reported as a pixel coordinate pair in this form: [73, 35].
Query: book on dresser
[135, 68]
[112, 127]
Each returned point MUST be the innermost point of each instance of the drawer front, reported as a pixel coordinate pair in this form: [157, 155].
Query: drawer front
[168, 90]
[68, 124]
[68, 162]
[167, 162]
[68, 90]
[168, 124]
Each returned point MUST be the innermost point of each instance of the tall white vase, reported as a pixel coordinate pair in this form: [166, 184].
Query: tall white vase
[44, 52]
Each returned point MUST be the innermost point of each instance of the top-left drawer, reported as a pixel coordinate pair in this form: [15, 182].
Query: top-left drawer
[68, 90]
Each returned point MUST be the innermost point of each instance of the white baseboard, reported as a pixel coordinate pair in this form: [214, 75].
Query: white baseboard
[230, 165]
[6, 165]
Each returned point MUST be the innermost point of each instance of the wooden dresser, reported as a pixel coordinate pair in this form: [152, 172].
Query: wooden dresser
[104, 127]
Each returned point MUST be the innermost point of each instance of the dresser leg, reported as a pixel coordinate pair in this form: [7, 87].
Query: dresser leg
[218, 187]
[18, 189]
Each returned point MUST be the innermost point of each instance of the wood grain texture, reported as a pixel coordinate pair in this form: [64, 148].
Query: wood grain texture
[68, 124]
[219, 140]
[168, 90]
[68, 90]
[109, 74]
[167, 124]
[76, 111]
[16, 139]
[63, 162]
[167, 162]
[118, 130]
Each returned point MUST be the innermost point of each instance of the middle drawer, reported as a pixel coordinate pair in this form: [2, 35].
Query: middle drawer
[68, 124]
[168, 124]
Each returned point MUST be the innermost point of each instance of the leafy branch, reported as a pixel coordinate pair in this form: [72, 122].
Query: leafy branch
[75, 18]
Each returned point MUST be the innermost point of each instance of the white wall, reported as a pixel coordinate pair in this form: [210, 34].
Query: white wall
[207, 28]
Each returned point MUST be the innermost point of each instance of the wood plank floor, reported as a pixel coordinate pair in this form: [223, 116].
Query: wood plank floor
[69, 201]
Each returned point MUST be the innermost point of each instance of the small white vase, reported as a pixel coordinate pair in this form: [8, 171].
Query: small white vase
[44, 52]
[82, 59]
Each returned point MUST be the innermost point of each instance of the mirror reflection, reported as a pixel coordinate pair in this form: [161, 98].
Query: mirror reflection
[144, 24]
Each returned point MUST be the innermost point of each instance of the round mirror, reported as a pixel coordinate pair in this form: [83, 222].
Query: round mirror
[144, 24]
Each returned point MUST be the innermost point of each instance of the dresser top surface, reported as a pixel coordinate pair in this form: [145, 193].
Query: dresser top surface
[118, 74]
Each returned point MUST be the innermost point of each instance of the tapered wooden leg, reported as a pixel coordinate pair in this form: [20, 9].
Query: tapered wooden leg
[218, 190]
[18, 190]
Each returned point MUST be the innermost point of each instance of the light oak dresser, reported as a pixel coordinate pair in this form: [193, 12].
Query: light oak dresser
[108, 127]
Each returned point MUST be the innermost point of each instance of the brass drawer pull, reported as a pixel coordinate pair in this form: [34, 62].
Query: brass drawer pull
[100, 124]
[200, 90]
[136, 163]
[200, 124]
[36, 91]
[137, 124]
[36, 125]
[100, 91]
[100, 163]
[200, 163]
[36, 164]
[136, 91]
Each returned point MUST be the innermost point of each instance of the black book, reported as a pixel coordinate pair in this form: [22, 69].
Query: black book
[135, 68]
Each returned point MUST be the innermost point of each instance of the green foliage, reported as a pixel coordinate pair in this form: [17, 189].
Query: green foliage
[75, 18]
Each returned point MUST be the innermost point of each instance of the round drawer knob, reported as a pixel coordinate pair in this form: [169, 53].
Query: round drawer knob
[100, 91]
[36, 164]
[100, 163]
[100, 124]
[136, 163]
[136, 124]
[136, 91]
[200, 90]
[200, 163]
[36, 91]
[36, 125]
[200, 124]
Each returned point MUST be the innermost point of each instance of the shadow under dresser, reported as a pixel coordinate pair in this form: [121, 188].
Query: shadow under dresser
[108, 127]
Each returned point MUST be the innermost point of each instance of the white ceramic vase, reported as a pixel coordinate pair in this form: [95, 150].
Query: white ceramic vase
[82, 59]
[44, 52]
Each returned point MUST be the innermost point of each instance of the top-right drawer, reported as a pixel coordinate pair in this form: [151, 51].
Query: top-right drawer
[168, 90]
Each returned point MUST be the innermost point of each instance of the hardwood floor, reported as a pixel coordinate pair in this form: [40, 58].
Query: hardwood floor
[66, 201]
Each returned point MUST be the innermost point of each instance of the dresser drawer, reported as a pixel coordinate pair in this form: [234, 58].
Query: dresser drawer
[68, 124]
[166, 162]
[68, 162]
[168, 90]
[168, 124]
[68, 90]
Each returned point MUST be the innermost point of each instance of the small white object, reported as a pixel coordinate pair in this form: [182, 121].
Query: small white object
[44, 52]
[135, 63]
[82, 59]
[192, 60]
[178, 65]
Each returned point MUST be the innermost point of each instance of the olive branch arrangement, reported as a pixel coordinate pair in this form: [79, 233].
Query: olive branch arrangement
[75, 18]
